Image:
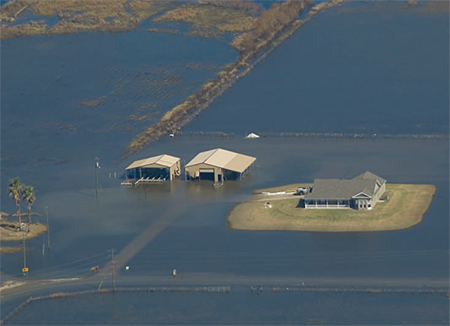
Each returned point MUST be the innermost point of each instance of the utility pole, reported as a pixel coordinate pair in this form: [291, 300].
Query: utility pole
[25, 268]
[97, 166]
[113, 276]
[48, 229]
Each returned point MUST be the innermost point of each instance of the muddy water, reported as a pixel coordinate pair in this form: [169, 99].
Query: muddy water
[50, 141]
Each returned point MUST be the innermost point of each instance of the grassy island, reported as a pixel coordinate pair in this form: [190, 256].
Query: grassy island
[8, 233]
[406, 206]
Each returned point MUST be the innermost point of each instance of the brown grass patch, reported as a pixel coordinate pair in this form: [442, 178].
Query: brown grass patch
[99, 8]
[324, 5]
[10, 250]
[211, 19]
[8, 233]
[30, 28]
[80, 15]
[95, 102]
[144, 9]
[12, 9]
[405, 208]
[250, 7]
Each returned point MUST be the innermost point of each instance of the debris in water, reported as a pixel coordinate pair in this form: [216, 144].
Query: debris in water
[252, 135]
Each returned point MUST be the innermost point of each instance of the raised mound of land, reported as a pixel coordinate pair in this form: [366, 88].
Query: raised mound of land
[406, 206]
[8, 231]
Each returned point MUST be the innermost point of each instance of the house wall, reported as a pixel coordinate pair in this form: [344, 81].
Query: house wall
[378, 194]
[361, 203]
[324, 203]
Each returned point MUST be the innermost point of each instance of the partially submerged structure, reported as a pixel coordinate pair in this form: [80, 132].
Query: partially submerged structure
[219, 165]
[153, 169]
[252, 136]
[361, 192]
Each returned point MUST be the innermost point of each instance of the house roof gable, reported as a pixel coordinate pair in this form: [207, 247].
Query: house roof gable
[370, 176]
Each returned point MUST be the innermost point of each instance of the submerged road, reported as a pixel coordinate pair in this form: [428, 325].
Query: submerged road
[17, 288]
[216, 279]
[143, 239]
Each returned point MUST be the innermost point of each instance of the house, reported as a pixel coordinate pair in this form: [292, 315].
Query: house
[218, 165]
[154, 169]
[361, 192]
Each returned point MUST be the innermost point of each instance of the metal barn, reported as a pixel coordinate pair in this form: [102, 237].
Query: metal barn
[218, 165]
[153, 169]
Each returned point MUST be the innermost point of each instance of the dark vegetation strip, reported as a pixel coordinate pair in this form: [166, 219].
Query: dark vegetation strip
[268, 26]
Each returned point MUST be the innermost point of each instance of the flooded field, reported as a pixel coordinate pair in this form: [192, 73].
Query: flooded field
[226, 309]
[358, 68]
[92, 93]
[199, 231]
[68, 99]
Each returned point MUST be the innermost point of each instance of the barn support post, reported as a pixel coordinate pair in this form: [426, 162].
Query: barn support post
[216, 175]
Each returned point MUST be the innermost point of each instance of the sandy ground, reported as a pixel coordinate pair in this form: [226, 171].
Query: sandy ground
[8, 232]
[405, 208]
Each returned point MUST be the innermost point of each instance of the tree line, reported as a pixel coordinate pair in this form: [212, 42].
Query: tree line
[20, 192]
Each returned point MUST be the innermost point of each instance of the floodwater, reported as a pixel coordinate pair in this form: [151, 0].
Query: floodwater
[226, 309]
[358, 68]
[46, 79]
[39, 146]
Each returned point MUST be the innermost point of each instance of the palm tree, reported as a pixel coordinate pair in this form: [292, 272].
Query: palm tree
[15, 192]
[30, 197]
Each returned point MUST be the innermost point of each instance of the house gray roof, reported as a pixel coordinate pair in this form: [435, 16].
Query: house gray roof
[369, 176]
[345, 188]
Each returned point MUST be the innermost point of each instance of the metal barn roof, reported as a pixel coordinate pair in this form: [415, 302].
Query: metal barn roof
[162, 160]
[223, 159]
